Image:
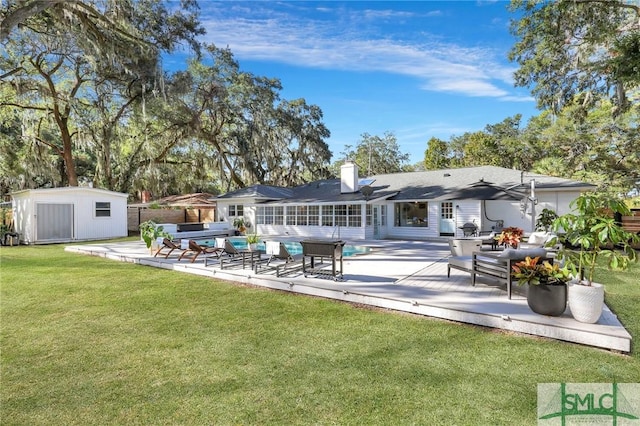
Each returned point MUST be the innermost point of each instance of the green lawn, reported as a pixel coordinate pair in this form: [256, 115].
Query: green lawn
[93, 341]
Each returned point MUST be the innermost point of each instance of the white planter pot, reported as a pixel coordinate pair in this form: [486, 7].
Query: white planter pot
[586, 302]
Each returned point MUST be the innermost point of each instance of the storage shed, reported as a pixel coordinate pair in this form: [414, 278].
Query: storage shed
[55, 215]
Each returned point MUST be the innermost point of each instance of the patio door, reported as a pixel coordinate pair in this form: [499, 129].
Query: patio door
[447, 221]
[54, 222]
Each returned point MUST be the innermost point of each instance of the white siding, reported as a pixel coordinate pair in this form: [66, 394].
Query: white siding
[86, 226]
[510, 211]
[475, 211]
[467, 211]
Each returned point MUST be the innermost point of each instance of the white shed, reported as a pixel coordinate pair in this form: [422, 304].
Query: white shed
[55, 215]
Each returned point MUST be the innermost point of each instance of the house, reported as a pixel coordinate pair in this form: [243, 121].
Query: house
[55, 215]
[415, 205]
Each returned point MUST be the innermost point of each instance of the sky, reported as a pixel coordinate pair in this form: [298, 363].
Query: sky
[417, 69]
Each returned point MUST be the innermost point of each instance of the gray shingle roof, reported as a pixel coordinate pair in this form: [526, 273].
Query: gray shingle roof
[260, 191]
[482, 183]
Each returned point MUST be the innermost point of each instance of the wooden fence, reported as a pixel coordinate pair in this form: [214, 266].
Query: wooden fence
[137, 215]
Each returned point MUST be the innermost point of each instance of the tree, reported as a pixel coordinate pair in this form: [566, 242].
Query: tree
[570, 47]
[499, 144]
[592, 146]
[378, 155]
[62, 51]
[436, 156]
[251, 134]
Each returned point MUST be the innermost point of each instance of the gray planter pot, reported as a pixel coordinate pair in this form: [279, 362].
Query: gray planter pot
[547, 299]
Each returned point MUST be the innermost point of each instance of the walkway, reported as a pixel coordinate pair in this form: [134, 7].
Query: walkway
[409, 276]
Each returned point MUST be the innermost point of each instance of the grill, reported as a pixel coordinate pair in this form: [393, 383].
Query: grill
[322, 249]
[469, 229]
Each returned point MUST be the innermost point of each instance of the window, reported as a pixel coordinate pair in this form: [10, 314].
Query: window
[347, 215]
[270, 215]
[264, 215]
[236, 210]
[412, 214]
[278, 215]
[314, 215]
[259, 215]
[302, 215]
[369, 214]
[327, 215]
[446, 211]
[290, 216]
[103, 209]
[355, 215]
[383, 215]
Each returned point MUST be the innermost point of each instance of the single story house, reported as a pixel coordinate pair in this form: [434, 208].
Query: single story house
[55, 215]
[414, 205]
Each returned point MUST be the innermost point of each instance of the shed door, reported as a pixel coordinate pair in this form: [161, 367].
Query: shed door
[54, 222]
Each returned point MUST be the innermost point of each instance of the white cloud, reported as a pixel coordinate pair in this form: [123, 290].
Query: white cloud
[338, 44]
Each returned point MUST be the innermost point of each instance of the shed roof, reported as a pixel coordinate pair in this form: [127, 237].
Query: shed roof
[67, 190]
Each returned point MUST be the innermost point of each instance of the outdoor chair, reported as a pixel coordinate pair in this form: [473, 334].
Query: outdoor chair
[499, 266]
[194, 250]
[231, 256]
[168, 245]
[461, 252]
[539, 239]
[280, 259]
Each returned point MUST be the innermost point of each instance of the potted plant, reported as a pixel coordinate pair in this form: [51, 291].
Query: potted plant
[252, 241]
[241, 225]
[547, 291]
[150, 232]
[592, 234]
[510, 236]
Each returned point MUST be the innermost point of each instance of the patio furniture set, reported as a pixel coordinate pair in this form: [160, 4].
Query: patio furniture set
[278, 259]
[467, 255]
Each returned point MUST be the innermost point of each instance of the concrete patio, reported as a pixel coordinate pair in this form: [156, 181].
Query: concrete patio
[409, 276]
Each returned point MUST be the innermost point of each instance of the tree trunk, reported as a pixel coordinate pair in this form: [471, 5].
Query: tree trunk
[67, 154]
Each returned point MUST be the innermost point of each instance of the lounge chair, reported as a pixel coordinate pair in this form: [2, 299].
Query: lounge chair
[280, 259]
[194, 250]
[168, 245]
[461, 254]
[231, 256]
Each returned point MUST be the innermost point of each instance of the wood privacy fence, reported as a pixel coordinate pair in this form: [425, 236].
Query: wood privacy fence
[137, 215]
[632, 223]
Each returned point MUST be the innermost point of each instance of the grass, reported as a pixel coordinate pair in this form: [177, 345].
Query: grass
[92, 341]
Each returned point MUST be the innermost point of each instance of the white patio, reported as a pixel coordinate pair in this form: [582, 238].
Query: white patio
[409, 276]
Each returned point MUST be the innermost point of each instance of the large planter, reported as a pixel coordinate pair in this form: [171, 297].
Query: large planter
[547, 299]
[586, 302]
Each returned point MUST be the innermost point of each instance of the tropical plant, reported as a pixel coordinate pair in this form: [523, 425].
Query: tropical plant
[545, 219]
[240, 224]
[151, 231]
[595, 233]
[510, 236]
[253, 238]
[531, 271]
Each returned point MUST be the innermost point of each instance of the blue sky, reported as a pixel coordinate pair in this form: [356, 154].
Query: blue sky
[417, 68]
